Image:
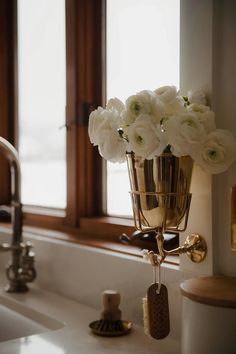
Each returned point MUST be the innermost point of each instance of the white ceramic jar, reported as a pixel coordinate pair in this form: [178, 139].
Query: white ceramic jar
[209, 315]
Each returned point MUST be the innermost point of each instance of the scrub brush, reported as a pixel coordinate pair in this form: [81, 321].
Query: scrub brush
[110, 323]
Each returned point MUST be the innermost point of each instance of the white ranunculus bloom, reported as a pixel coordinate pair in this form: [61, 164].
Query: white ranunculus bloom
[178, 144]
[115, 103]
[175, 107]
[111, 145]
[205, 115]
[174, 104]
[217, 152]
[103, 131]
[197, 107]
[150, 121]
[166, 94]
[96, 121]
[190, 128]
[113, 148]
[146, 138]
[100, 120]
[183, 131]
[197, 96]
[144, 102]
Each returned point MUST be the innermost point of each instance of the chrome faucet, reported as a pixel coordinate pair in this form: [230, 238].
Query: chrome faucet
[20, 269]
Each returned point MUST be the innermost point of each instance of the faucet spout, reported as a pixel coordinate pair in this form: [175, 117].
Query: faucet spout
[16, 272]
[11, 154]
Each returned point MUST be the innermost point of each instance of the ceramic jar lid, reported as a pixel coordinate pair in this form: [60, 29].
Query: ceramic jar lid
[216, 290]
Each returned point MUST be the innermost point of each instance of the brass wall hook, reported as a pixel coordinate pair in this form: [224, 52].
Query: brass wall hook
[194, 247]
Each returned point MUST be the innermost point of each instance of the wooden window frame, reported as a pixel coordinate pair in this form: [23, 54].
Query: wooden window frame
[85, 58]
[8, 103]
[83, 220]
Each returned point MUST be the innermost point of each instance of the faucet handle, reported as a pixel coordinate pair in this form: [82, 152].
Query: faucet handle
[27, 263]
[28, 255]
[28, 246]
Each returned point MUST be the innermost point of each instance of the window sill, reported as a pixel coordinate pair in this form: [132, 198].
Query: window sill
[93, 240]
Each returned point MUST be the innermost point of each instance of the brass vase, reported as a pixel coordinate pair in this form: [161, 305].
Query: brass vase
[160, 195]
[160, 191]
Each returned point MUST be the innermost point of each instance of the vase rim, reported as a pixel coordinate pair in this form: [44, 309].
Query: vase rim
[162, 155]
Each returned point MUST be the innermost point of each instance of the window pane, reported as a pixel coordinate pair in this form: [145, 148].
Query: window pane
[42, 97]
[142, 53]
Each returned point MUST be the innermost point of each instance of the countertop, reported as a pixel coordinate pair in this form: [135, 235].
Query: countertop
[75, 336]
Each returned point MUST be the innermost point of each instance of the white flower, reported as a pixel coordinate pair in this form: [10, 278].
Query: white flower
[145, 102]
[174, 104]
[197, 107]
[166, 94]
[205, 115]
[197, 96]
[182, 132]
[146, 139]
[103, 131]
[113, 148]
[96, 121]
[102, 119]
[115, 103]
[190, 128]
[152, 121]
[217, 152]
[175, 107]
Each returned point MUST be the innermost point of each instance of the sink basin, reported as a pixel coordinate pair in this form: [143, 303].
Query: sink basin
[17, 320]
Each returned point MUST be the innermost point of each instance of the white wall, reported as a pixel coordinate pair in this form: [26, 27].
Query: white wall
[196, 47]
[224, 104]
[208, 61]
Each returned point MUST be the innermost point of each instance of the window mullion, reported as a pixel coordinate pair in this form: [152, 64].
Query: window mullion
[7, 92]
[95, 96]
[71, 112]
[84, 92]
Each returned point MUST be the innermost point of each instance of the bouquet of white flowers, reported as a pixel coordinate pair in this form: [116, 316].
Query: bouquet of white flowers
[151, 123]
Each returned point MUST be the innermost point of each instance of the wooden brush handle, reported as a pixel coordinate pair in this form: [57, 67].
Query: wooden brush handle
[111, 302]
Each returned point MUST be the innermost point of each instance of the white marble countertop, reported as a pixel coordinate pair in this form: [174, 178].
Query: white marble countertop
[75, 337]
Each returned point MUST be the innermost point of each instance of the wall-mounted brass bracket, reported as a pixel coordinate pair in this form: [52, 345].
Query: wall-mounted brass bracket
[194, 247]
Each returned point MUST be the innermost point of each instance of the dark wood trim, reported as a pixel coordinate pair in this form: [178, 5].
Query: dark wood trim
[71, 112]
[108, 227]
[15, 76]
[50, 222]
[84, 93]
[100, 227]
[90, 82]
[7, 93]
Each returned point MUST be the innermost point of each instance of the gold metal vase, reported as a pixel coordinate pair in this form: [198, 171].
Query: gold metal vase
[160, 194]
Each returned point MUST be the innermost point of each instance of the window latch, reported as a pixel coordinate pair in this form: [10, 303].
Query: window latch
[83, 111]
